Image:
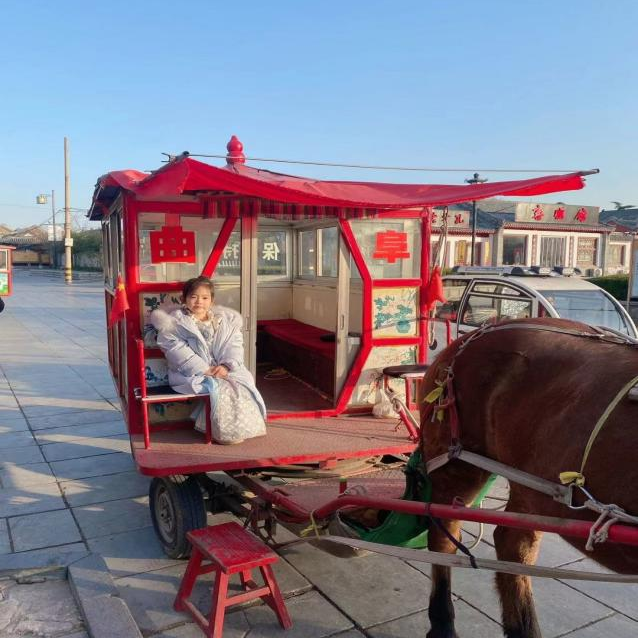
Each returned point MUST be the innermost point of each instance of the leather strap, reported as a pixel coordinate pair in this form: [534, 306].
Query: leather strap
[454, 560]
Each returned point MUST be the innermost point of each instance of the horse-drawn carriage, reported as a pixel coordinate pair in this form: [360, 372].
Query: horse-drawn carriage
[333, 282]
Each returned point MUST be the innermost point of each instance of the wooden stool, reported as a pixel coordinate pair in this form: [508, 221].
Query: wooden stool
[230, 549]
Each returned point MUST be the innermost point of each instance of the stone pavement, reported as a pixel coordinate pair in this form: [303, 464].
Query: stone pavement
[68, 487]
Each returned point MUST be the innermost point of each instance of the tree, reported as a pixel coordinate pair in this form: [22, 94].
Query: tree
[619, 206]
[87, 241]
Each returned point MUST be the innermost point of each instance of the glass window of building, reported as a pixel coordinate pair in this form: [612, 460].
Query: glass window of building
[616, 255]
[586, 251]
[514, 250]
[552, 251]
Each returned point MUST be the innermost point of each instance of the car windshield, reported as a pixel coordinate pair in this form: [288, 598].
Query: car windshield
[589, 306]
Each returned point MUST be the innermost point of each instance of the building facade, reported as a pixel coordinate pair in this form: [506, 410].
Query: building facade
[532, 234]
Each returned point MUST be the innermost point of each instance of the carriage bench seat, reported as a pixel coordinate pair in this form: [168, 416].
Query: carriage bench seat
[229, 549]
[161, 393]
[300, 334]
[307, 352]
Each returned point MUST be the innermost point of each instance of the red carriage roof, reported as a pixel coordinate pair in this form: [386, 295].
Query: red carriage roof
[188, 176]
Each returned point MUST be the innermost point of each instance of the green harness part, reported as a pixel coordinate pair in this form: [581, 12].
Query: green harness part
[408, 530]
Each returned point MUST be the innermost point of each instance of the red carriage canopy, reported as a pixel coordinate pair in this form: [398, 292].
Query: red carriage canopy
[188, 176]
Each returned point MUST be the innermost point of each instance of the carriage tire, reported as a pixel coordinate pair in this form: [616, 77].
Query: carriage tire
[177, 507]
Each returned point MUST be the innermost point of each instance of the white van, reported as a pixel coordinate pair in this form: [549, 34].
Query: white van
[476, 295]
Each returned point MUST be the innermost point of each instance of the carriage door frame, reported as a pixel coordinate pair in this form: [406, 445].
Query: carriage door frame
[342, 330]
[248, 290]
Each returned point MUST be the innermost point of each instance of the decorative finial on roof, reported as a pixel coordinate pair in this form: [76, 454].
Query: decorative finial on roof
[235, 151]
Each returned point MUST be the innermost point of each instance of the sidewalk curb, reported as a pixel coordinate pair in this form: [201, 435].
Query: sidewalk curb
[54, 563]
[106, 615]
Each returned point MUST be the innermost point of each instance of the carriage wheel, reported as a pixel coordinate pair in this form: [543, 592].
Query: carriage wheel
[177, 507]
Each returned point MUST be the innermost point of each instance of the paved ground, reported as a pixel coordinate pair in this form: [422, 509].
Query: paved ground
[68, 486]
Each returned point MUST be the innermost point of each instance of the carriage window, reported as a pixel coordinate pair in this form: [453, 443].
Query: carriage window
[480, 309]
[4, 261]
[114, 248]
[453, 291]
[206, 233]
[391, 248]
[307, 253]
[229, 265]
[329, 249]
[272, 254]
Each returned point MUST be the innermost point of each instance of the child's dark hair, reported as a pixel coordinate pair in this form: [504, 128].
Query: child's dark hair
[196, 282]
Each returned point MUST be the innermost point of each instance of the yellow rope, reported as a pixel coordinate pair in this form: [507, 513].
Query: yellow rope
[578, 478]
[311, 528]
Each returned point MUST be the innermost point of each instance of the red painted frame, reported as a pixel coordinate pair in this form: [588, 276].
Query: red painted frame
[8, 270]
[231, 208]
[293, 512]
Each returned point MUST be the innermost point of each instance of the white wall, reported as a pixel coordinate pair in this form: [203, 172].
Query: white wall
[315, 304]
[274, 302]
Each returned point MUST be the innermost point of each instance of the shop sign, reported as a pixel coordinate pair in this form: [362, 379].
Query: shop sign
[557, 214]
[455, 218]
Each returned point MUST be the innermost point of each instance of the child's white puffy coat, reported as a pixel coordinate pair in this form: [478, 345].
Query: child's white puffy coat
[189, 356]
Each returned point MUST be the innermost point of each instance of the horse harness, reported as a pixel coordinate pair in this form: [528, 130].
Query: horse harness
[443, 398]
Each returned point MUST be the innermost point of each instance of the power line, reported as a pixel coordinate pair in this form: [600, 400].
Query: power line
[397, 168]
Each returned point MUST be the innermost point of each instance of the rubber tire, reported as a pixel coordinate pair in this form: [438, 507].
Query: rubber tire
[183, 498]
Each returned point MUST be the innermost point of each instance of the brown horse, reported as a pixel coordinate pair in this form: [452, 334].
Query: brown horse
[530, 398]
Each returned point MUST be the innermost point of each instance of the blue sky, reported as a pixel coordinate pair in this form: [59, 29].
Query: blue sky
[491, 84]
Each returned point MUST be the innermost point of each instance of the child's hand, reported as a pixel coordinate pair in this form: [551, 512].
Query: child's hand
[218, 372]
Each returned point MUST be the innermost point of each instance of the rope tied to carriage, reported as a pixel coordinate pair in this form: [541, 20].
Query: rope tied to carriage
[443, 398]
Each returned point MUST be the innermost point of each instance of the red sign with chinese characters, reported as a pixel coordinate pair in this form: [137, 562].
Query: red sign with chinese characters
[391, 245]
[581, 215]
[538, 213]
[172, 244]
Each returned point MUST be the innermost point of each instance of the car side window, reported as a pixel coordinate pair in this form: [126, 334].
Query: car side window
[481, 309]
[453, 289]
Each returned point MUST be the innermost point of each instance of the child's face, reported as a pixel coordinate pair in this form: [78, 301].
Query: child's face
[199, 301]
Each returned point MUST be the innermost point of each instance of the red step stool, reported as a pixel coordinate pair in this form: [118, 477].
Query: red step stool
[230, 549]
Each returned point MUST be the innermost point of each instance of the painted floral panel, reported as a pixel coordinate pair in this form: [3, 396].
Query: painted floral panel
[150, 301]
[381, 357]
[156, 371]
[176, 411]
[394, 312]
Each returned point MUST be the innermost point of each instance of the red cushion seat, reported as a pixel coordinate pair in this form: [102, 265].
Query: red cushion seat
[299, 334]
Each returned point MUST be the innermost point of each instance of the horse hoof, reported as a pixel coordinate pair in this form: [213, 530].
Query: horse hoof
[442, 633]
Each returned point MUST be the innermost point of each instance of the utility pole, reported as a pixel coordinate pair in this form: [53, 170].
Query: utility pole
[474, 180]
[55, 234]
[68, 242]
[43, 199]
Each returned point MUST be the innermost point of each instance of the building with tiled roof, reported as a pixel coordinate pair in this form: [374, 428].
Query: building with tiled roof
[531, 233]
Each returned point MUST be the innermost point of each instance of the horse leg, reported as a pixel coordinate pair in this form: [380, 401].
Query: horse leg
[517, 600]
[450, 482]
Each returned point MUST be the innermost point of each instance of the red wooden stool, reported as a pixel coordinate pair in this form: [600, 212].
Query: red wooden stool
[230, 549]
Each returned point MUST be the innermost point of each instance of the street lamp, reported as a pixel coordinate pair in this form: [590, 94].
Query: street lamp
[474, 180]
[43, 199]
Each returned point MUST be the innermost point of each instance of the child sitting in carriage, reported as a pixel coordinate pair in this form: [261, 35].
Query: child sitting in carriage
[203, 345]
